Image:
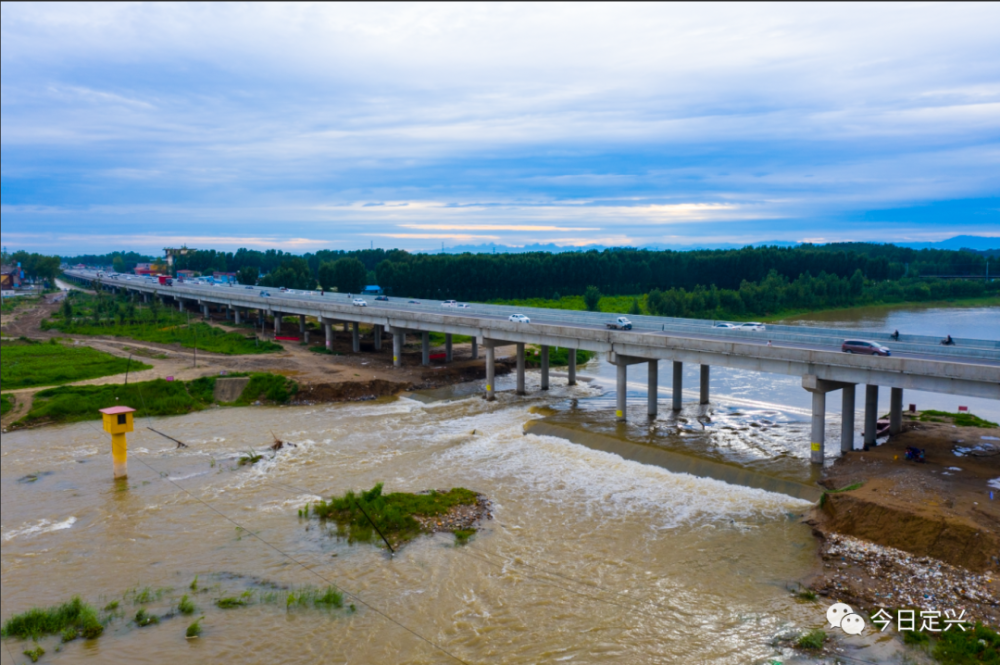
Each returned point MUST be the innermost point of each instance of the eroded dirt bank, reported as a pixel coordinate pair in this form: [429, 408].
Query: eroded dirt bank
[911, 534]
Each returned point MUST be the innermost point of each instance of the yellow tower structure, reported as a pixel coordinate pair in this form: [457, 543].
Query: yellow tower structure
[118, 422]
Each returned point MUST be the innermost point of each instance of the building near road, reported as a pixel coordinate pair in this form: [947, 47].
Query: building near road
[143, 269]
[186, 274]
[10, 277]
[372, 290]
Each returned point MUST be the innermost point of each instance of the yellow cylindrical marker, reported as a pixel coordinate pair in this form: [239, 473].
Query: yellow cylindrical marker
[118, 422]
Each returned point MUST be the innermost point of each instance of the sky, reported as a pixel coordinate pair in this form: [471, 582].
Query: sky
[338, 126]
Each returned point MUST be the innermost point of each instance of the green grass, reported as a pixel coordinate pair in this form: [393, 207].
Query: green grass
[186, 606]
[558, 356]
[34, 654]
[610, 304]
[9, 304]
[159, 397]
[93, 315]
[27, 365]
[437, 339]
[960, 419]
[6, 404]
[978, 645]
[194, 630]
[392, 513]
[814, 639]
[74, 616]
[144, 618]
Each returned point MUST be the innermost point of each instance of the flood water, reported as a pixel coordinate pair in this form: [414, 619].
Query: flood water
[589, 558]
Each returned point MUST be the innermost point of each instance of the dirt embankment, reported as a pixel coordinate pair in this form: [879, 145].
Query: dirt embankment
[917, 534]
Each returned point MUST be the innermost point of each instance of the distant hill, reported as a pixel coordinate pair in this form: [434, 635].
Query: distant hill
[976, 243]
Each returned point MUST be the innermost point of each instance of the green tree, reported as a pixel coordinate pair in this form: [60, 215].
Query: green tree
[67, 310]
[350, 275]
[327, 275]
[592, 298]
[248, 275]
[857, 282]
[118, 263]
[634, 308]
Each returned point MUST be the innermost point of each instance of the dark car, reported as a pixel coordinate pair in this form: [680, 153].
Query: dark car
[383, 298]
[864, 347]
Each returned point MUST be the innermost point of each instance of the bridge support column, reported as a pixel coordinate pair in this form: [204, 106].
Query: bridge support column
[571, 368]
[621, 392]
[277, 323]
[302, 324]
[520, 368]
[871, 415]
[705, 373]
[355, 337]
[229, 313]
[652, 389]
[237, 317]
[345, 326]
[397, 348]
[545, 367]
[818, 427]
[378, 337]
[475, 348]
[261, 318]
[447, 348]
[490, 373]
[328, 332]
[180, 304]
[678, 385]
[895, 411]
[847, 419]
[425, 348]
[205, 312]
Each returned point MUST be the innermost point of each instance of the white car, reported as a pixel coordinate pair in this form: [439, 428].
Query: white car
[359, 302]
[449, 303]
[519, 318]
[463, 305]
[752, 327]
[729, 326]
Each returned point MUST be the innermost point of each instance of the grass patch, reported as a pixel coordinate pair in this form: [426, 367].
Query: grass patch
[75, 616]
[34, 654]
[915, 638]
[328, 597]
[194, 630]
[438, 339]
[186, 606]
[814, 639]
[978, 645]
[6, 404]
[159, 397]
[52, 364]
[393, 514]
[250, 459]
[231, 602]
[462, 536]
[960, 419]
[558, 356]
[323, 349]
[610, 304]
[8, 304]
[121, 317]
[144, 618]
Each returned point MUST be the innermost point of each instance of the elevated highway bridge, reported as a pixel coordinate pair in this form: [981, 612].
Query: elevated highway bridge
[969, 367]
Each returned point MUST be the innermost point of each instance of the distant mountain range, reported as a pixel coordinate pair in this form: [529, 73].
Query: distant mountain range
[979, 243]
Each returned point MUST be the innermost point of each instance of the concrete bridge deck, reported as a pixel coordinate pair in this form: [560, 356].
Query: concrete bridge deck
[970, 367]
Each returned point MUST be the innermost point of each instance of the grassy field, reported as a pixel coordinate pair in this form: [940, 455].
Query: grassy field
[558, 356]
[8, 305]
[94, 315]
[6, 404]
[610, 304]
[960, 419]
[150, 398]
[437, 339]
[28, 364]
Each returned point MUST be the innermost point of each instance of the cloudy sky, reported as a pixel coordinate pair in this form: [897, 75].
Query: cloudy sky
[340, 126]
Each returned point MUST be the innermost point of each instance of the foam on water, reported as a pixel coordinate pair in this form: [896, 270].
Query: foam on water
[41, 526]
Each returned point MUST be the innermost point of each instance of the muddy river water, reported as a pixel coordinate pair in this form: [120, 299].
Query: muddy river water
[588, 558]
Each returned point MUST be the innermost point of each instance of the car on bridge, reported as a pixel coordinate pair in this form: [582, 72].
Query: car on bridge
[382, 298]
[726, 326]
[449, 303]
[412, 302]
[463, 305]
[518, 318]
[621, 323]
[359, 302]
[265, 294]
[864, 347]
[751, 327]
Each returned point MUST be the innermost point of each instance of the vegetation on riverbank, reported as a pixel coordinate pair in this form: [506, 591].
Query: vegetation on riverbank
[558, 356]
[9, 304]
[70, 620]
[150, 398]
[960, 419]
[359, 514]
[6, 404]
[25, 363]
[122, 316]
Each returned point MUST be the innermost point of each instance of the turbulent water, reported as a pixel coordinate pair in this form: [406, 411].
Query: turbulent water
[588, 559]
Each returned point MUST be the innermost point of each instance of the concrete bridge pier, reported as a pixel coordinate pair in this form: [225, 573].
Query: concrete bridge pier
[277, 323]
[180, 304]
[818, 437]
[378, 337]
[520, 368]
[328, 333]
[475, 348]
[345, 326]
[653, 388]
[705, 374]
[571, 368]
[544, 357]
[490, 373]
[871, 415]
[447, 347]
[678, 385]
[622, 391]
[847, 418]
[261, 318]
[355, 337]
[302, 324]
[237, 316]
[206, 313]
[895, 410]
[425, 348]
[397, 347]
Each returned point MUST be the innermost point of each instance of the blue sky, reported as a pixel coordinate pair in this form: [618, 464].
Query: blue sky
[337, 126]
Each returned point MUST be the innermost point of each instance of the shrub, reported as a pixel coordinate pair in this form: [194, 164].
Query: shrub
[74, 615]
[814, 639]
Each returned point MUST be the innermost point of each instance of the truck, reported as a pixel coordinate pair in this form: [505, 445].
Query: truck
[621, 323]
[165, 281]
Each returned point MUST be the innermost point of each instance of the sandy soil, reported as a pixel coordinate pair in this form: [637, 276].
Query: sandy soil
[321, 377]
[915, 534]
